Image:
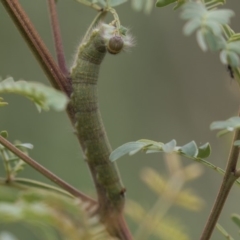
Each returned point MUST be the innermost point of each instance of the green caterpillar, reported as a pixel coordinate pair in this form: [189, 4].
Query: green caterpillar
[89, 125]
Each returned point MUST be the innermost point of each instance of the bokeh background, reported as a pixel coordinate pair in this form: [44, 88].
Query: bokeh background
[165, 88]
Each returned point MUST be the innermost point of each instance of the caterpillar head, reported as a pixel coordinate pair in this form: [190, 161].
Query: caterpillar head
[116, 40]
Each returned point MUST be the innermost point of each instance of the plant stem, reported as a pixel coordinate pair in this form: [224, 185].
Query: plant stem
[57, 37]
[116, 222]
[24, 25]
[38, 184]
[229, 178]
[51, 176]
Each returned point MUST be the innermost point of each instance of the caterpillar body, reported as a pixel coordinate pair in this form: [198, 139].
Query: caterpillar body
[89, 125]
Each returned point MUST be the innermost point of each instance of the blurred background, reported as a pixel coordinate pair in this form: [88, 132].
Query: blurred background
[165, 88]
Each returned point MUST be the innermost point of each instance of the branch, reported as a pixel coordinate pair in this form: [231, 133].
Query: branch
[231, 175]
[57, 37]
[51, 176]
[25, 27]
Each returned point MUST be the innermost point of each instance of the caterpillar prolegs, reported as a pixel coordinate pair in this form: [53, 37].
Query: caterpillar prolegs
[89, 125]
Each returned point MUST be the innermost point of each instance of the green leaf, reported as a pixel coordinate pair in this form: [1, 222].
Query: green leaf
[221, 16]
[137, 5]
[231, 123]
[7, 236]
[201, 41]
[226, 126]
[114, 3]
[223, 57]
[204, 151]
[131, 148]
[44, 96]
[191, 26]
[163, 3]
[143, 5]
[2, 103]
[193, 10]
[170, 146]
[179, 4]
[237, 143]
[224, 232]
[190, 149]
[233, 59]
[148, 6]
[214, 43]
[236, 219]
[234, 46]
[215, 27]
[4, 134]
[25, 145]
[207, 23]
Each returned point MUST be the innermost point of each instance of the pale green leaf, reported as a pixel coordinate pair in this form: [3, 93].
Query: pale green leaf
[204, 151]
[193, 10]
[42, 95]
[223, 57]
[214, 43]
[114, 3]
[170, 146]
[215, 27]
[148, 6]
[152, 145]
[230, 124]
[191, 26]
[137, 5]
[210, 26]
[190, 149]
[201, 42]
[224, 232]
[25, 145]
[236, 219]
[4, 134]
[179, 4]
[127, 148]
[234, 46]
[143, 5]
[2, 103]
[223, 132]
[222, 16]
[163, 3]
[7, 236]
[237, 143]
[233, 59]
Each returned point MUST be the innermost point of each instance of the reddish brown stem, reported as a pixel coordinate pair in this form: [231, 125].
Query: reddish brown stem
[57, 37]
[51, 176]
[23, 23]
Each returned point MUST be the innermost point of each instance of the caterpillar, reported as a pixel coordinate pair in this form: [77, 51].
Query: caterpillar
[89, 125]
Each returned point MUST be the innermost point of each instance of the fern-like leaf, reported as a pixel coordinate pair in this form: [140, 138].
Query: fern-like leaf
[207, 23]
[33, 206]
[43, 96]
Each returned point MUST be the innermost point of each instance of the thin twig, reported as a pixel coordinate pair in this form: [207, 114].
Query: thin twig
[22, 22]
[57, 37]
[42, 185]
[51, 176]
[229, 178]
